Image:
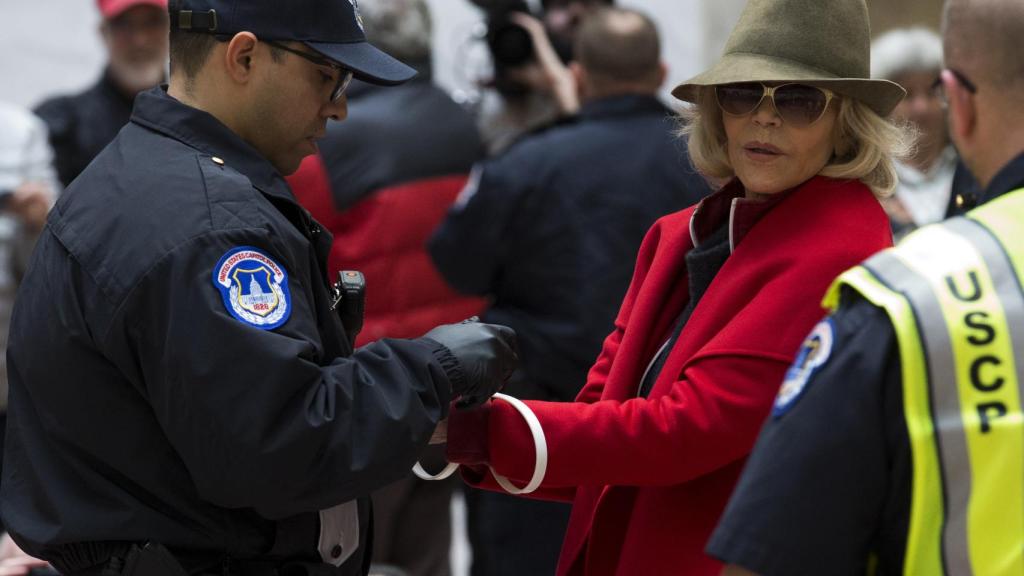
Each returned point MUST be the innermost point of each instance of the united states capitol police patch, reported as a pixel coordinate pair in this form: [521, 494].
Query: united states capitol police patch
[254, 287]
[813, 355]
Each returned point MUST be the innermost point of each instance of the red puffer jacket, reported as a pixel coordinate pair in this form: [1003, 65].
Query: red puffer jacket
[649, 477]
[384, 236]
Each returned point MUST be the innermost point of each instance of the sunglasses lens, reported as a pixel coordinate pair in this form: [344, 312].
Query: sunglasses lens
[799, 104]
[739, 99]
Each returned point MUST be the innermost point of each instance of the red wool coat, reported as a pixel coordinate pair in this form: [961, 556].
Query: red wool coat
[648, 478]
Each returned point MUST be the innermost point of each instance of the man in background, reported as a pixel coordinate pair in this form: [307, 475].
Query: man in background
[134, 33]
[381, 184]
[550, 230]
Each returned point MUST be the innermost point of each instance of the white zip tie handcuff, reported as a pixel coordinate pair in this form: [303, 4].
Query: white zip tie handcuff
[539, 443]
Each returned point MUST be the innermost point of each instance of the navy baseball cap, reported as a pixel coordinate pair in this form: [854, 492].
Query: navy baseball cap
[333, 28]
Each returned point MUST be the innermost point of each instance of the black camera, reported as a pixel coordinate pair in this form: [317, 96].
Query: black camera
[509, 43]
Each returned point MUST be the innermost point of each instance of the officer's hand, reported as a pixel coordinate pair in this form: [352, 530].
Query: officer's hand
[487, 354]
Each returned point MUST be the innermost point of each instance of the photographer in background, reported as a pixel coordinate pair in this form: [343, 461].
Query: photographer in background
[532, 86]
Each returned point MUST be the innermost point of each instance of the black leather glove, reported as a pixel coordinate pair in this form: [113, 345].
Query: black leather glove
[487, 355]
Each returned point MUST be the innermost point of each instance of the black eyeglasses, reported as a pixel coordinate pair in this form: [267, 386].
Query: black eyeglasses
[344, 74]
[796, 104]
[937, 86]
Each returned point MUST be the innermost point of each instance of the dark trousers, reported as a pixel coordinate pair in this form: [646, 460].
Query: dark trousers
[514, 536]
[412, 526]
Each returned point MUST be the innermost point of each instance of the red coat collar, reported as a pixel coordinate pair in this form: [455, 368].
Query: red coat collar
[729, 204]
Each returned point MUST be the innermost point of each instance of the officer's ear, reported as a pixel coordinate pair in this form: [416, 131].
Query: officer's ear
[963, 112]
[239, 56]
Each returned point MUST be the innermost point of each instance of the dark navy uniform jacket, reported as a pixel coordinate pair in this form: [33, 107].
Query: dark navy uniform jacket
[82, 125]
[142, 409]
[551, 228]
[828, 485]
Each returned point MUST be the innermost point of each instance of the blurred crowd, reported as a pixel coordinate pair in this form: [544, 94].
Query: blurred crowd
[528, 211]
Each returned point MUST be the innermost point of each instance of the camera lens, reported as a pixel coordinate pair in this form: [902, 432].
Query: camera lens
[509, 43]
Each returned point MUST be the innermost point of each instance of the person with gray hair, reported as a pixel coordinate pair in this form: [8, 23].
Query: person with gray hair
[912, 57]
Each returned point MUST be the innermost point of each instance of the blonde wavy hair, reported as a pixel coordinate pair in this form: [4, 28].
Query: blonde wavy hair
[866, 145]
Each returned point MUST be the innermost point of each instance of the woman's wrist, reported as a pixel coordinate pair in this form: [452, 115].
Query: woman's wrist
[467, 435]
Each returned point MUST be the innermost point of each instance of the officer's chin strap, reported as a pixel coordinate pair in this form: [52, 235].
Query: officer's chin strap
[540, 445]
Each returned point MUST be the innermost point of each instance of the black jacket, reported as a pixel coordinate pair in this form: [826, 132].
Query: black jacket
[551, 229]
[144, 409]
[83, 124]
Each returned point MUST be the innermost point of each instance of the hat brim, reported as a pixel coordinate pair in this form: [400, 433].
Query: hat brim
[882, 96]
[367, 62]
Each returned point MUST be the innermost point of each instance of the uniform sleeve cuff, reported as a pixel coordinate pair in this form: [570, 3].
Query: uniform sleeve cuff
[467, 435]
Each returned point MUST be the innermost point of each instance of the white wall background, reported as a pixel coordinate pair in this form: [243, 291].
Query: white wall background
[53, 46]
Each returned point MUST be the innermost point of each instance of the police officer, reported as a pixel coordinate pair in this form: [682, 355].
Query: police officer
[897, 439]
[179, 379]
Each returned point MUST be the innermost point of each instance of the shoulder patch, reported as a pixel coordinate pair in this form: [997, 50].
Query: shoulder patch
[254, 287]
[813, 355]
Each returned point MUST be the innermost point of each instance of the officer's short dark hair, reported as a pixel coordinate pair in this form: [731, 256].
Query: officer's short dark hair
[189, 51]
[617, 44]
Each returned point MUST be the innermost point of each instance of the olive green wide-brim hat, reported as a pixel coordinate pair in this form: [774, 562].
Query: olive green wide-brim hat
[825, 43]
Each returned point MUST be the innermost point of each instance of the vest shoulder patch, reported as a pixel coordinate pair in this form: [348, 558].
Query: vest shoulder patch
[254, 287]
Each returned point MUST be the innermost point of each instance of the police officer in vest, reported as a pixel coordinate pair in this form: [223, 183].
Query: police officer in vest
[897, 440]
[184, 397]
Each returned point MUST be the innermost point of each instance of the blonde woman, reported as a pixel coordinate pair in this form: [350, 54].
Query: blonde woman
[722, 297]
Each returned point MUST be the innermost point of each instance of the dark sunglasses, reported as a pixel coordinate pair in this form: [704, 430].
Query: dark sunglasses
[344, 74]
[796, 104]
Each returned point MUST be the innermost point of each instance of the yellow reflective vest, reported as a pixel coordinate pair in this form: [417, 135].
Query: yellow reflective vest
[954, 294]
